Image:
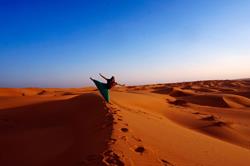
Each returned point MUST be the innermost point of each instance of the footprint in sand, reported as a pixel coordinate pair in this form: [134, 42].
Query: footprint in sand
[166, 163]
[137, 139]
[124, 138]
[140, 149]
[112, 140]
[111, 158]
[124, 129]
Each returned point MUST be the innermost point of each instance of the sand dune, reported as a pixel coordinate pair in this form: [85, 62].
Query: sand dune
[207, 100]
[164, 140]
[189, 123]
[65, 132]
[236, 101]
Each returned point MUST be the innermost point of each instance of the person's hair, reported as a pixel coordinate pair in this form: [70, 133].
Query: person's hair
[112, 77]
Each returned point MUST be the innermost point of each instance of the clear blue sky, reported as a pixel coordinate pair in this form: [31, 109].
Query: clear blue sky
[63, 43]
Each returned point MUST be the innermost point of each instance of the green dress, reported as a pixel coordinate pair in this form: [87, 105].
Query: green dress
[102, 87]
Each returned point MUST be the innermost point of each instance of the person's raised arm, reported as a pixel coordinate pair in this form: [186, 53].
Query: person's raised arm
[103, 76]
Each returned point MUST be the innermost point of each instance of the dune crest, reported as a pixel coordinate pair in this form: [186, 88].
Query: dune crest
[236, 101]
[190, 123]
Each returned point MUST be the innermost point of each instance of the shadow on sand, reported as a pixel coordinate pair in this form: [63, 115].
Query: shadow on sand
[66, 132]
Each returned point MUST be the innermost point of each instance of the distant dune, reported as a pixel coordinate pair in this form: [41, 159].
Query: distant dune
[190, 123]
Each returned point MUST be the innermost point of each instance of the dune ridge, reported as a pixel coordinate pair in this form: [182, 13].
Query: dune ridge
[189, 123]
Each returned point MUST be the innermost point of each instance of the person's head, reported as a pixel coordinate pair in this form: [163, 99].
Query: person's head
[113, 78]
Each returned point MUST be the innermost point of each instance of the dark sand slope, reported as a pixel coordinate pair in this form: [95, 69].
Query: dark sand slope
[64, 133]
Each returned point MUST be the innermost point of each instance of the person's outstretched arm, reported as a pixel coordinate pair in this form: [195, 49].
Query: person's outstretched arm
[103, 76]
[120, 84]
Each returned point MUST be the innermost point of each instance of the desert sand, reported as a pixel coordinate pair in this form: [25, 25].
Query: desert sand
[202, 123]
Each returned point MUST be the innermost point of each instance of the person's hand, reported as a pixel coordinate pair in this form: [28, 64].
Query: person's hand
[122, 84]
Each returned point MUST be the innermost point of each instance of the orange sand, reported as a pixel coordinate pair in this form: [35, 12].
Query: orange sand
[192, 123]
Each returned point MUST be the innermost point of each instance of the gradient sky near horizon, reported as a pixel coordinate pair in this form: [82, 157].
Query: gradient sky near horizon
[63, 43]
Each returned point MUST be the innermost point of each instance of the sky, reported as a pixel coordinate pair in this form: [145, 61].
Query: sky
[63, 43]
